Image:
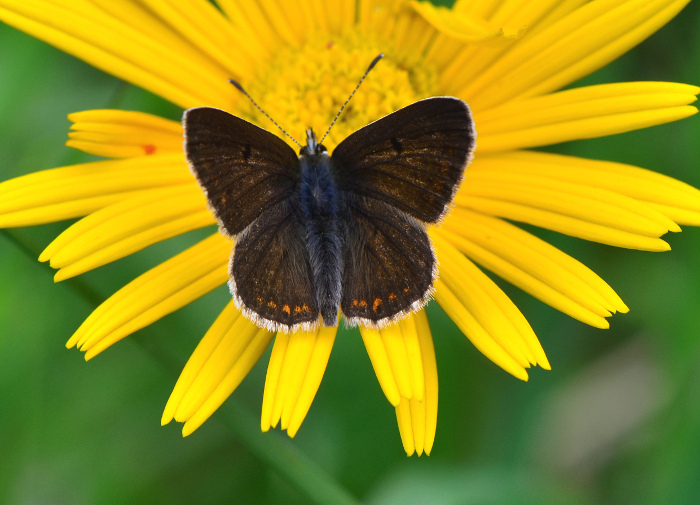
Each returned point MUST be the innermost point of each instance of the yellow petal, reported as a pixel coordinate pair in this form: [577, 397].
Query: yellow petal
[380, 363]
[586, 202]
[236, 372]
[294, 374]
[430, 396]
[392, 337]
[396, 358]
[680, 216]
[590, 212]
[576, 45]
[460, 25]
[199, 357]
[558, 221]
[122, 134]
[417, 419]
[126, 227]
[299, 349]
[412, 30]
[540, 259]
[160, 291]
[205, 28]
[312, 378]
[259, 21]
[403, 419]
[116, 46]
[218, 353]
[415, 361]
[272, 382]
[671, 197]
[492, 309]
[588, 112]
[77, 190]
[475, 332]
[471, 60]
[527, 282]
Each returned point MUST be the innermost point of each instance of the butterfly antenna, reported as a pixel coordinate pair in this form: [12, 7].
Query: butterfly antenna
[371, 66]
[240, 88]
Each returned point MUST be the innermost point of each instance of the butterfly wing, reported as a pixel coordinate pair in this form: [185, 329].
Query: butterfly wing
[412, 159]
[389, 264]
[398, 173]
[250, 178]
[271, 278]
[242, 168]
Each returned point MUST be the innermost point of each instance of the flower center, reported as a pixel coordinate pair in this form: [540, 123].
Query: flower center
[305, 86]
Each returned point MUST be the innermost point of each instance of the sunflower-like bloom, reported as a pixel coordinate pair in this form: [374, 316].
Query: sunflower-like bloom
[506, 58]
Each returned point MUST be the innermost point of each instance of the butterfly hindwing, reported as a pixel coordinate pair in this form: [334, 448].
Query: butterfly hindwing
[412, 159]
[242, 168]
[389, 264]
[270, 275]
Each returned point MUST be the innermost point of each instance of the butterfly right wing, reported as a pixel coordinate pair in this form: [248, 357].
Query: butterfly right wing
[399, 173]
[412, 159]
[242, 168]
[250, 178]
[389, 264]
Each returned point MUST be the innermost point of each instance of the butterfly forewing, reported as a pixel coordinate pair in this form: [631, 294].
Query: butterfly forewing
[242, 168]
[389, 264]
[270, 272]
[412, 159]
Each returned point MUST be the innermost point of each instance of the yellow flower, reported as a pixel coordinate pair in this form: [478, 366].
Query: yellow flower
[506, 58]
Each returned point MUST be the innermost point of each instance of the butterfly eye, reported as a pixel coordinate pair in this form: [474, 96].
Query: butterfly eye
[320, 149]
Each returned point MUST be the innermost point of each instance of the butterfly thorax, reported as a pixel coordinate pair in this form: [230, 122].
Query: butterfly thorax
[320, 201]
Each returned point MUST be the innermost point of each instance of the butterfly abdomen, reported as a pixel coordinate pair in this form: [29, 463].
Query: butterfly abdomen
[320, 202]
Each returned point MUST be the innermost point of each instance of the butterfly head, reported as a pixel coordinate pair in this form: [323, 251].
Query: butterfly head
[312, 147]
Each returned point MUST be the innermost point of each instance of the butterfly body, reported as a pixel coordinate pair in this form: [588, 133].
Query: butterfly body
[321, 203]
[316, 235]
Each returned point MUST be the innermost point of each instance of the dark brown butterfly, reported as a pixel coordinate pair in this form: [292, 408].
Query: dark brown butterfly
[316, 233]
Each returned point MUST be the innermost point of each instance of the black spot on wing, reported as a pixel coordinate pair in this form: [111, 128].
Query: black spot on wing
[398, 147]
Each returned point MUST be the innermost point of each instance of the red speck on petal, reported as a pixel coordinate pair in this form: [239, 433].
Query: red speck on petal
[329, 45]
[149, 148]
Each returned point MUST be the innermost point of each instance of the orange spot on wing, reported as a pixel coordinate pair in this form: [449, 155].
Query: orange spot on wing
[377, 303]
[392, 297]
[363, 304]
[272, 304]
[149, 149]
[286, 309]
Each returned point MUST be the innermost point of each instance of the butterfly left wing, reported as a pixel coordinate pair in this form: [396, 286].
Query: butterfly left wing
[250, 177]
[270, 273]
[242, 168]
[413, 159]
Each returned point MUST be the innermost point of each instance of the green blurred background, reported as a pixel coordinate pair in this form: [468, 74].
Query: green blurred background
[617, 420]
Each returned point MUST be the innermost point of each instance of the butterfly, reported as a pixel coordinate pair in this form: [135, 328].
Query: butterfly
[315, 233]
